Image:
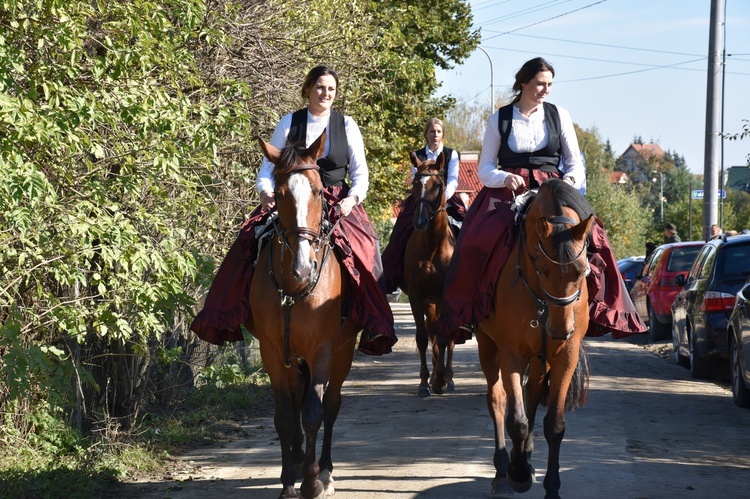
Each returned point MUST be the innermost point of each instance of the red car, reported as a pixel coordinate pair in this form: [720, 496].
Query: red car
[655, 289]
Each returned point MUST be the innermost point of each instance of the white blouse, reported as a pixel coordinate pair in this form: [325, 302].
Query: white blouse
[359, 176]
[450, 187]
[529, 134]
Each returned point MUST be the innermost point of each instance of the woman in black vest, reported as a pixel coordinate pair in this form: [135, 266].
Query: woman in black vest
[525, 143]
[393, 256]
[227, 307]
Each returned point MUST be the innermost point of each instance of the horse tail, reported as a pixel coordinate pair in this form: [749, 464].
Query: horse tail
[578, 391]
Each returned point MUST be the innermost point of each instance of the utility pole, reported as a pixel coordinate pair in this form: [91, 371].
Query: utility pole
[713, 120]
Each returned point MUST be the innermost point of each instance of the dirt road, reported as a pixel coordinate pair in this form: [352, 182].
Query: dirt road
[648, 431]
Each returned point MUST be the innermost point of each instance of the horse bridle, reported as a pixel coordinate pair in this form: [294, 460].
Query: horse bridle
[435, 208]
[542, 305]
[315, 238]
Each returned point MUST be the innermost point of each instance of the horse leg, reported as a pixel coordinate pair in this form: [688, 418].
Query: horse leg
[490, 363]
[449, 365]
[561, 374]
[422, 340]
[286, 420]
[534, 391]
[342, 363]
[318, 372]
[520, 474]
[437, 380]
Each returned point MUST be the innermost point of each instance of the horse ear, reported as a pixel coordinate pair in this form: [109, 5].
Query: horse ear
[316, 148]
[583, 229]
[269, 151]
[543, 227]
[440, 161]
[414, 160]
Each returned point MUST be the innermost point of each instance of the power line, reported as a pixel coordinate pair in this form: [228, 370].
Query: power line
[545, 20]
[519, 13]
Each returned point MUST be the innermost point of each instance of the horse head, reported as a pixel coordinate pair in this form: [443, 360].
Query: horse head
[299, 201]
[428, 189]
[556, 243]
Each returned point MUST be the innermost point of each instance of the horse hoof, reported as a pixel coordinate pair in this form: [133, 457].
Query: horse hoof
[520, 487]
[327, 479]
[289, 493]
[451, 386]
[424, 391]
[318, 490]
[501, 487]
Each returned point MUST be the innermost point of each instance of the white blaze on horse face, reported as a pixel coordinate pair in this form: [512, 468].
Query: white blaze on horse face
[423, 181]
[301, 190]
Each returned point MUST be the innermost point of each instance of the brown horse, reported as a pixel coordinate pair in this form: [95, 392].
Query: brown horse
[535, 331]
[296, 297]
[428, 253]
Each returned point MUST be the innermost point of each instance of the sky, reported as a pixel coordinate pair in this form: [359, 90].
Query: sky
[627, 67]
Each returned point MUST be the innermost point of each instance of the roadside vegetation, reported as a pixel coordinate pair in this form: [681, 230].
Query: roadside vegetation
[128, 156]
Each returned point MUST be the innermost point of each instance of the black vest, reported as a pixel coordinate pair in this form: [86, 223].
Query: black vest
[447, 154]
[546, 159]
[334, 167]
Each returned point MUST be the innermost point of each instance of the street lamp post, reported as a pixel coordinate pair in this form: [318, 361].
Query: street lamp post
[492, 80]
[661, 192]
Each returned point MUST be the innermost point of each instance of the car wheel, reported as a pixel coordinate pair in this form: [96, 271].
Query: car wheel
[740, 393]
[656, 330]
[679, 359]
[700, 367]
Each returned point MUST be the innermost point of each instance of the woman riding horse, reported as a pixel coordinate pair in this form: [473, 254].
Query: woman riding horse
[524, 143]
[393, 255]
[226, 307]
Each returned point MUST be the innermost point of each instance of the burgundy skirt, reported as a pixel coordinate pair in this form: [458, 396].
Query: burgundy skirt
[482, 248]
[227, 304]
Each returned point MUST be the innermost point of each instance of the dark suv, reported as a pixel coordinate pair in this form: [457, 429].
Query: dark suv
[700, 312]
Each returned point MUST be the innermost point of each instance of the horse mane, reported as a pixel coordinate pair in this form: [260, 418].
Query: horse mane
[568, 196]
[289, 158]
[565, 195]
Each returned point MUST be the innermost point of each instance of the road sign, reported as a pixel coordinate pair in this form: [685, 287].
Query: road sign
[698, 194]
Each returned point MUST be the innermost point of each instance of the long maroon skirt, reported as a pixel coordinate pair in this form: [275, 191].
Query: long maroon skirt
[483, 246]
[227, 304]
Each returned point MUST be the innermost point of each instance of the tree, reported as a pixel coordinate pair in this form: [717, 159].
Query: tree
[127, 160]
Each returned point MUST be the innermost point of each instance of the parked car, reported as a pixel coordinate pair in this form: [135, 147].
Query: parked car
[700, 312]
[655, 289]
[738, 337]
[630, 269]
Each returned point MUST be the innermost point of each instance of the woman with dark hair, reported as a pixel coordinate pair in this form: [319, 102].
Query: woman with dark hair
[227, 307]
[393, 255]
[524, 144]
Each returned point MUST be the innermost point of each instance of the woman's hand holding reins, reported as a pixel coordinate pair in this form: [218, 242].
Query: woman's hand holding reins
[345, 205]
[267, 200]
[514, 182]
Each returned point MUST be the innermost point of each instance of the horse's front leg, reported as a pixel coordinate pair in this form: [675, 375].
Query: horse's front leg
[449, 365]
[496, 404]
[422, 341]
[437, 380]
[312, 418]
[341, 365]
[520, 473]
[286, 420]
[561, 374]
[534, 391]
